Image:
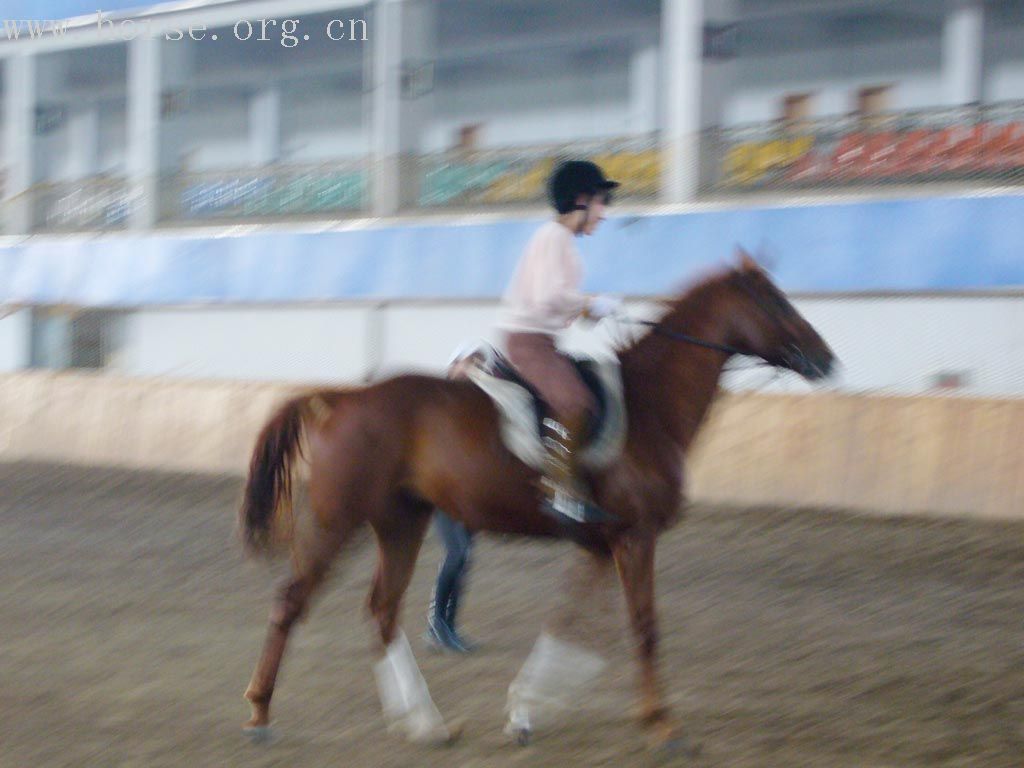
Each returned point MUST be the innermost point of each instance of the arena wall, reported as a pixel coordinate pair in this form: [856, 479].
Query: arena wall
[892, 455]
[913, 295]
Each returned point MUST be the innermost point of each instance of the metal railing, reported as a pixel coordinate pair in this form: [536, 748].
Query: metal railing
[517, 175]
[96, 203]
[337, 188]
[983, 144]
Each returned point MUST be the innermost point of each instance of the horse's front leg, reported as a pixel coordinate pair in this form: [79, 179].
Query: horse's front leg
[634, 558]
[563, 660]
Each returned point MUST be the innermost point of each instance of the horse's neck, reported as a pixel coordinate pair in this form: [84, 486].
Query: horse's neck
[672, 380]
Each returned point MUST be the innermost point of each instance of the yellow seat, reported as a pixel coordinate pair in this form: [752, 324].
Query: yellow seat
[516, 187]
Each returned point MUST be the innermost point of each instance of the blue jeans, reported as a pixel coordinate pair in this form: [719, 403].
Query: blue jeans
[451, 576]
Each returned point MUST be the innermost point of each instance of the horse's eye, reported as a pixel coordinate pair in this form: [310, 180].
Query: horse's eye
[780, 305]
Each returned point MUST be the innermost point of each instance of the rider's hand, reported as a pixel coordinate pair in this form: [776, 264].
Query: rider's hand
[599, 307]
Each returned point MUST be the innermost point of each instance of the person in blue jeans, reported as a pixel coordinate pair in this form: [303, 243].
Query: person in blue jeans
[442, 632]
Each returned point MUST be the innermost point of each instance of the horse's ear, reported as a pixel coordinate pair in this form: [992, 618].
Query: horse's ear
[746, 262]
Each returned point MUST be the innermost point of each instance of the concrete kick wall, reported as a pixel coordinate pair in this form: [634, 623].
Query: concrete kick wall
[204, 427]
[940, 455]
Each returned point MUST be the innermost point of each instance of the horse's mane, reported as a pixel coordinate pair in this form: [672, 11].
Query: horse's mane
[677, 310]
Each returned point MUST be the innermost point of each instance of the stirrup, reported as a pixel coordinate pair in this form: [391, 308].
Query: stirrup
[565, 499]
[564, 505]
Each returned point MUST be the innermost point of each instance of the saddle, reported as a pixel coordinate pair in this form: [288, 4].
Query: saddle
[523, 410]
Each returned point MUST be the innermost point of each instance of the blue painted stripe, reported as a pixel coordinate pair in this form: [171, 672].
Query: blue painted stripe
[928, 244]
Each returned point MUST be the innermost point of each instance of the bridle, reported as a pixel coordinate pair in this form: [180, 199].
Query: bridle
[796, 354]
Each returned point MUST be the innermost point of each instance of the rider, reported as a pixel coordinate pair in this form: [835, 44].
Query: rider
[542, 300]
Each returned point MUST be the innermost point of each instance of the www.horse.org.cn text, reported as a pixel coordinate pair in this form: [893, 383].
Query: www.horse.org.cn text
[288, 33]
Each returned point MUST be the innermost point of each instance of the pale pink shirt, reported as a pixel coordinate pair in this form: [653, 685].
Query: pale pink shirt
[544, 295]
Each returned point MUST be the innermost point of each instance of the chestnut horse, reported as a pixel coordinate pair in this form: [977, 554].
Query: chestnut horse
[387, 454]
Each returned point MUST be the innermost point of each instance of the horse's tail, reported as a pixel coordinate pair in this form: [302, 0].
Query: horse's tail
[268, 491]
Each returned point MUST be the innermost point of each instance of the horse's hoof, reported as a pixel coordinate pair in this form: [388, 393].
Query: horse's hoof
[520, 734]
[518, 729]
[681, 746]
[438, 735]
[258, 734]
[454, 733]
[676, 745]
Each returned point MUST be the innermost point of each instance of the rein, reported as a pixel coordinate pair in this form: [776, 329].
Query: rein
[762, 304]
[658, 328]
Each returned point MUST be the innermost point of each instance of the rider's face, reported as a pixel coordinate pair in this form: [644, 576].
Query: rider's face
[595, 214]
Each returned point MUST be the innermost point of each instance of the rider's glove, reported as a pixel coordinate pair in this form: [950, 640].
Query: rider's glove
[599, 307]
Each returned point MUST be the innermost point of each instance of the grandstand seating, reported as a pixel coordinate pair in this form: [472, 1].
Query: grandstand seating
[898, 148]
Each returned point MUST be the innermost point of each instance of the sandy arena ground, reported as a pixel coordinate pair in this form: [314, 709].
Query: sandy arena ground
[130, 622]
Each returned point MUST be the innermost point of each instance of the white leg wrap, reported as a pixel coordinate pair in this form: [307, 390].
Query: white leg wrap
[404, 695]
[553, 676]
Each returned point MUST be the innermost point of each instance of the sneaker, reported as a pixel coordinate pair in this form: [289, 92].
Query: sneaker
[460, 644]
[440, 637]
[434, 637]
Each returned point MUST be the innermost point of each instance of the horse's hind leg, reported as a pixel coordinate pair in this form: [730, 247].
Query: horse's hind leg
[404, 695]
[314, 550]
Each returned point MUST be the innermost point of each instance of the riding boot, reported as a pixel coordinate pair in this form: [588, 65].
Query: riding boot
[567, 495]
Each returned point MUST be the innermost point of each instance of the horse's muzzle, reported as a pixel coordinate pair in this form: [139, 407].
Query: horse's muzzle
[813, 367]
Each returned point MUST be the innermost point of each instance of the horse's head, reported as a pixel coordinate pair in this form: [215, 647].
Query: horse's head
[763, 323]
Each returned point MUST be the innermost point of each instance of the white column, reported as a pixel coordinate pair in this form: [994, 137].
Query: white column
[403, 53]
[19, 131]
[963, 45]
[15, 340]
[718, 72]
[84, 144]
[176, 65]
[682, 39]
[144, 128]
[718, 78]
[644, 79]
[52, 340]
[386, 139]
[265, 126]
[418, 48]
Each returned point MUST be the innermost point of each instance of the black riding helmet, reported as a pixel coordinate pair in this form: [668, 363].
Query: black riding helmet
[574, 178]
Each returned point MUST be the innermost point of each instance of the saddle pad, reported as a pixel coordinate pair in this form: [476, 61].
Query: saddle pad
[519, 418]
